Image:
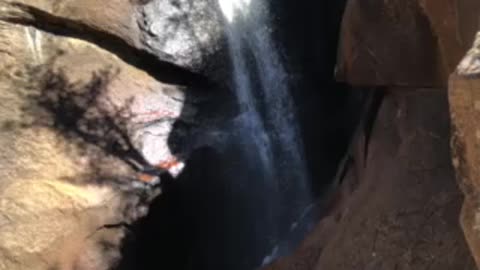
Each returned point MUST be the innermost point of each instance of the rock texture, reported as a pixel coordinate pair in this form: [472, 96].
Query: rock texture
[87, 128]
[398, 204]
[186, 31]
[454, 24]
[420, 43]
[183, 35]
[464, 107]
[413, 43]
[99, 98]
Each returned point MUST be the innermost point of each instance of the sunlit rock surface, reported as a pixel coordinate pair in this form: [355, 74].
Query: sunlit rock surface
[185, 31]
[82, 131]
[465, 107]
[182, 33]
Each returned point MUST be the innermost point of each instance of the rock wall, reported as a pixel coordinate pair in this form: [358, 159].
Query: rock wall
[87, 124]
[406, 215]
[419, 44]
[398, 204]
[405, 43]
[101, 97]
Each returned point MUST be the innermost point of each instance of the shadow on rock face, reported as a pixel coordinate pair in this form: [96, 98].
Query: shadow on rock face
[66, 191]
[96, 132]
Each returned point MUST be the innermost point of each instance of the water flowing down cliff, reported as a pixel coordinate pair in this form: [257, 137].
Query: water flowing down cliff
[267, 122]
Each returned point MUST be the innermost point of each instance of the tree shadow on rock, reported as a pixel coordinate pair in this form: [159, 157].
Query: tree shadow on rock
[79, 112]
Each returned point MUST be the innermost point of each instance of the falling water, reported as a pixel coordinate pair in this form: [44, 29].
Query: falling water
[267, 119]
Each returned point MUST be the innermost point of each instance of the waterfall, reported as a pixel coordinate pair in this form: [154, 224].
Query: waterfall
[267, 121]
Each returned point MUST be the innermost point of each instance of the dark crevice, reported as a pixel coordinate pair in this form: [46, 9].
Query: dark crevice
[366, 114]
[370, 119]
[120, 225]
[117, 226]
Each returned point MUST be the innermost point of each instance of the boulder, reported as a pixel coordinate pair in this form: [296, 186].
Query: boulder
[159, 32]
[85, 136]
[188, 32]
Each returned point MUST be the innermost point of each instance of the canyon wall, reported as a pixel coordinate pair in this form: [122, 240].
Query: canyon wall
[116, 130]
[422, 57]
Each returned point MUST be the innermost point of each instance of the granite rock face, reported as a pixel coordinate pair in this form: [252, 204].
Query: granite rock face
[181, 34]
[87, 128]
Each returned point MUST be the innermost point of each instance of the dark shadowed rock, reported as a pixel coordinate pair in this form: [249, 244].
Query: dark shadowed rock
[455, 24]
[398, 203]
[388, 43]
[415, 43]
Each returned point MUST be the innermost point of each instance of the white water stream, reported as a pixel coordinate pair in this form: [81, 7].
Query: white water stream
[267, 109]
[267, 122]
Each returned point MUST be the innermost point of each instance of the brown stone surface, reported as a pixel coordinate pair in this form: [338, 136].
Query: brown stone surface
[113, 17]
[465, 111]
[398, 207]
[60, 186]
[455, 24]
[414, 43]
[387, 43]
[87, 114]
[157, 37]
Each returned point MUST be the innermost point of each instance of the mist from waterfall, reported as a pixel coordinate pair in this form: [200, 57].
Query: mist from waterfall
[267, 121]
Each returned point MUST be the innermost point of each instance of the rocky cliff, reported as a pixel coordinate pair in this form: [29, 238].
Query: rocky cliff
[88, 107]
[118, 150]
[400, 205]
